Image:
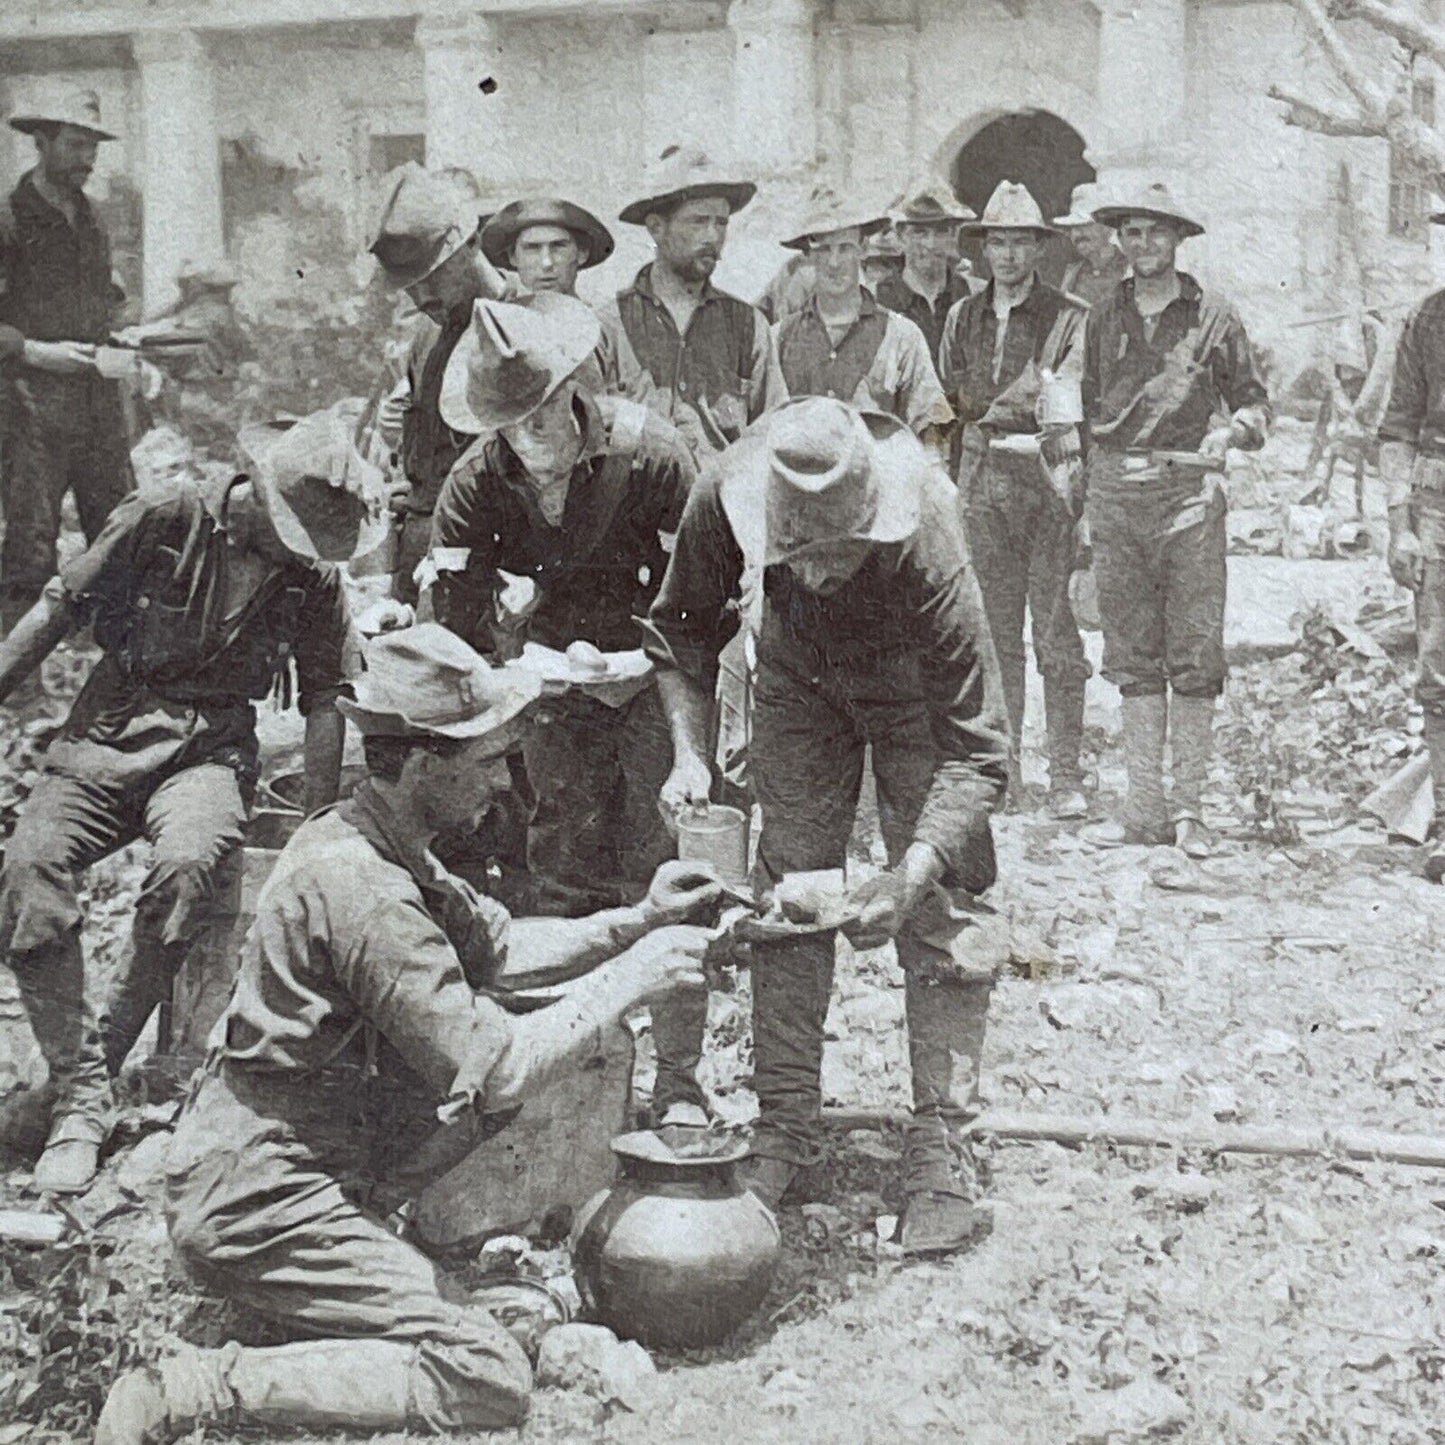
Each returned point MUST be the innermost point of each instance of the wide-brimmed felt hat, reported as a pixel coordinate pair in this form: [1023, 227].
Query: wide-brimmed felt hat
[292, 463]
[1153, 201]
[818, 470]
[500, 233]
[883, 246]
[826, 212]
[425, 681]
[685, 173]
[63, 106]
[512, 357]
[1082, 201]
[1010, 208]
[929, 202]
[423, 224]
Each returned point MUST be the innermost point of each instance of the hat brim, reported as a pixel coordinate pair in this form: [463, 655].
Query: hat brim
[500, 234]
[736, 193]
[399, 278]
[35, 124]
[865, 226]
[371, 722]
[456, 406]
[899, 460]
[1115, 216]
[982, 228]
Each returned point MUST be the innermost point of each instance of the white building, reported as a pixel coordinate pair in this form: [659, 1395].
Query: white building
[261, 128]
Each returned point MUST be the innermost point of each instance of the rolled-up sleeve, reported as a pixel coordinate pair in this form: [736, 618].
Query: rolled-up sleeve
[695, 612]
[965, 704]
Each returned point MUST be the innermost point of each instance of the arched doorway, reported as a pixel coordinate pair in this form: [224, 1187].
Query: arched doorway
[1032, 146]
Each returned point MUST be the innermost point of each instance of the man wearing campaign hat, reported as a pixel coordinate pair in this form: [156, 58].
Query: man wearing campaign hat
[1000, 349]
[369, 1005]
[842, 343]
[200, 597]
[1163, 361]
[872, 636]
[578, 497]
[709, 356]
[927, 217]
[428, 244]
[64, 425]
[1100, 265]
[547, 242]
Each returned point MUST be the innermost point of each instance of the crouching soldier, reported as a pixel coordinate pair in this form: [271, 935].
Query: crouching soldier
[199, 596]
[360, 1007]
[872, 634]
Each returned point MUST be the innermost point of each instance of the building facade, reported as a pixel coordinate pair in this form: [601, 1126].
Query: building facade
[261, 130]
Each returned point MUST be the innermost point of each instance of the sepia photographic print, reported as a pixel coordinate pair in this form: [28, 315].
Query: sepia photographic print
[720, 720]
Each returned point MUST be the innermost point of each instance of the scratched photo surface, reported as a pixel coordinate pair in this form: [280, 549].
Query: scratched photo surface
[720, 720]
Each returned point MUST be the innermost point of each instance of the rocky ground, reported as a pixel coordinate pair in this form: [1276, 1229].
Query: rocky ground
[1126, 1293]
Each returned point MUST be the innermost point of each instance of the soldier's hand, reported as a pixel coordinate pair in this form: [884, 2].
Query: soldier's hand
[668, 961]
[688, 785]
[882, 906]
[1215, 446]
[1406, 558]
[680, 891]
[64, 358]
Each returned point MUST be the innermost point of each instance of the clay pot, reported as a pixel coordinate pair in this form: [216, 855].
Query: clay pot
[676, 1254]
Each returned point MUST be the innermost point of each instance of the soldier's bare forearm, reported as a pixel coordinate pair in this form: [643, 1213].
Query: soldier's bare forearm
[32, 640]
[688, 710]
[545, 951]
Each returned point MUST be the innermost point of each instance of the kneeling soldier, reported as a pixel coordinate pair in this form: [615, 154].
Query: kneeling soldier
[361, 1006]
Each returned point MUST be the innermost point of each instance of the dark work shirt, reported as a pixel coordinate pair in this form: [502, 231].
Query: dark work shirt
[897, 295]
[600, 568]
[1042, 330]
[55, 278]
[429, 447]
[1416, 413]
[1161, 393]
[153, 584]
[910, 621]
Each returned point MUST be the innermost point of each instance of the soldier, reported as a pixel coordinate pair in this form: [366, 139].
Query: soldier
[709, 356]
[872, 636]
[927, 219]
[882, 259]
[428, 244]
[578, 496]
[1412, 463]
[842, 343]
[1162, 356]
[995, 348]
[199, 597]
[366, 999]
[63, 426]
[547, 242]
[1100, 264]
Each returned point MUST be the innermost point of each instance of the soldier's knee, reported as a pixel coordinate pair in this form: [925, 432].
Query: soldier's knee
[178, 898]
[38, 906]
[486, 1385]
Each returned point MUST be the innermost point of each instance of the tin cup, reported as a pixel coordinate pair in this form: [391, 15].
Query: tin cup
[718, 835]
[1061, 401]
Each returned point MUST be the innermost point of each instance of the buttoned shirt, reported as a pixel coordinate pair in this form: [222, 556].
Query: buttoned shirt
[715, 378]
[55, 276]
[1416, 412]
[896, 294]
[909, 622]
[881, 363]
[356, 926]
[1159, 392]
[596, 571]
[979, 360]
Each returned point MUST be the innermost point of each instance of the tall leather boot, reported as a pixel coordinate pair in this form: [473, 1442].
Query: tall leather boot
[1145, 818]
[367, 1386]
[946, 1026]
[52, 987]
[1064, 719]
[1191, 749]
[1435, 843]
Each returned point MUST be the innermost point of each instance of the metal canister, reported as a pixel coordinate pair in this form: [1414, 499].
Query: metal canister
[718, 835]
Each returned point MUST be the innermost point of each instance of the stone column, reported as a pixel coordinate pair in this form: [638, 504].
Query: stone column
[1143, 86]
[775, 82]
[181, 165]
[466, 83]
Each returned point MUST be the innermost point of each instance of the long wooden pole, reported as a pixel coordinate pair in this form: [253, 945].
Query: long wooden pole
[1424, 1151]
